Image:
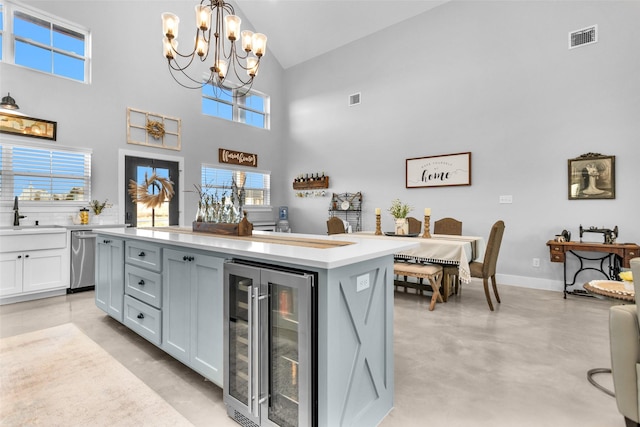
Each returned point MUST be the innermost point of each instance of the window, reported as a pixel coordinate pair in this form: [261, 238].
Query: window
[1, 30]
[251, 109]
[45, 43]
[36, 173]
[257, 185]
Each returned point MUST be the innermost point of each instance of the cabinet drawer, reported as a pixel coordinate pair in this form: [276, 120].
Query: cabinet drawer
[144, 285]
[143, 319]
[144, 255]
[557, 256]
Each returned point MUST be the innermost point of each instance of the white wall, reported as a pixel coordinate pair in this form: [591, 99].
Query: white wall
[493, 78]
[128, 70]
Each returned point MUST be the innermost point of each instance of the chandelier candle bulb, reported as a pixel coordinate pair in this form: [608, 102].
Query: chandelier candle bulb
[221, 68]
[232, 26]
[169, 46]
[170, 24]
[247, 40]
[252, 66]
[201, 47]
[203, 17]
[259, 44]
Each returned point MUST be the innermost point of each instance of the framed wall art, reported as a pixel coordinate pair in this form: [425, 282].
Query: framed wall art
[15, 124]
[439, 171]
[153, 130]
[592, 176]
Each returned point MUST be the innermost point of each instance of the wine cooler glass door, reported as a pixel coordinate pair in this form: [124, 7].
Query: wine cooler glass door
[240, 310]
[288, 347]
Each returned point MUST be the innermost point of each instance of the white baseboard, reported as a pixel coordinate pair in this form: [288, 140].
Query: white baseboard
[530, 282]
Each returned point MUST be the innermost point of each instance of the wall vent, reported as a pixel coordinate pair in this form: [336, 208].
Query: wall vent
[354, 99]
[583, 37]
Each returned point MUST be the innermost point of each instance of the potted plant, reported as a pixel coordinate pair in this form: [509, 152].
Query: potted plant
[399, 211]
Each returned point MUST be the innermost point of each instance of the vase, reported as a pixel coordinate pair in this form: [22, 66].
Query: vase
[402, 226]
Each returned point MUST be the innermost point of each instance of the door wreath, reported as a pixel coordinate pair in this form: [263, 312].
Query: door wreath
[144, 193]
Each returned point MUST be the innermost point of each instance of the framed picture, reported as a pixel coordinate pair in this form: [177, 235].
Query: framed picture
[439, 171]
[27, 126]
[592, 176]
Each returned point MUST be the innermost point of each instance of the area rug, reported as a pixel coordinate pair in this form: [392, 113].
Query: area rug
[60, 377]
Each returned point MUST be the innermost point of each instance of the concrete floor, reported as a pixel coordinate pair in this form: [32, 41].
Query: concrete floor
[461, 365]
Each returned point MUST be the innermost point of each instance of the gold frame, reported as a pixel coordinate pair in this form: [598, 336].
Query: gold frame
[15, 124]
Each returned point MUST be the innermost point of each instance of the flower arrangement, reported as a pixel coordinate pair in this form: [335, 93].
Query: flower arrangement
[97, 206]
[399, 209]
[223, 205]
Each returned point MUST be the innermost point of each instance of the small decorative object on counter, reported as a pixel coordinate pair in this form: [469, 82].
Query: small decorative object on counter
[220, 213]
[97, 207]
[378, 230]
[84, 216]
[399, 211]
[427, 225]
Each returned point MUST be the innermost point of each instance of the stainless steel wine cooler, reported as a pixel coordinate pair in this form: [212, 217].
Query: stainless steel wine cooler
[269, 339]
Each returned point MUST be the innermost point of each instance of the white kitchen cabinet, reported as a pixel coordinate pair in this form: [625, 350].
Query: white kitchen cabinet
[35, 263]
[192, 293]
[109, 293]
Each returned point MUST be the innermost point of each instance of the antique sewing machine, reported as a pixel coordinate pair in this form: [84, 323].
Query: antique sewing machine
[610, 236]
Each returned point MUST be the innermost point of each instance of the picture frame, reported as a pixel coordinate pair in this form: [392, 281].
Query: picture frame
[15, 124]
[439, 171]
[592, 176]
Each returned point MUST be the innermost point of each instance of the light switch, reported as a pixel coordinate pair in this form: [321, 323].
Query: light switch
[506, 199]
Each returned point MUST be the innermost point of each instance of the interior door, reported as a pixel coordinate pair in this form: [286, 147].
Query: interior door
[138, 169]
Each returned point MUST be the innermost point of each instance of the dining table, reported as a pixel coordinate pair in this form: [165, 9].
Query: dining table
[442, 249]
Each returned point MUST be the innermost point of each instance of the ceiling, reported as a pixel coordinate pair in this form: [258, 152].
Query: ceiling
[299, 30]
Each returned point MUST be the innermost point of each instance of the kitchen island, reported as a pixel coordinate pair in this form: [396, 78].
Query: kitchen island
[167, 285]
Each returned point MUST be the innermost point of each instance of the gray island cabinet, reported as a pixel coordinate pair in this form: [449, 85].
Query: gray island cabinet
[171, 292]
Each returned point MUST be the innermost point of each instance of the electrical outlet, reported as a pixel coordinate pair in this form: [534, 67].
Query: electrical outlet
[506, 199]
[362, 282]
[536, 262]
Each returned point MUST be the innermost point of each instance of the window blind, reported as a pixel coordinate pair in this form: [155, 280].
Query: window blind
[44, 174]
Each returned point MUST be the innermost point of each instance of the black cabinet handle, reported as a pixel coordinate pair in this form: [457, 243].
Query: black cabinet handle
[26, 256]
[19, 256]
[106, 242]
[184, 258]
[187, 258]
[140, 316]
[141, 282]
[141, 254]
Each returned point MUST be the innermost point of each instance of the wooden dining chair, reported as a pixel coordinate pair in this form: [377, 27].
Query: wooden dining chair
[487, 269]
[414, 225]
[449, 226]
[335, 226]
[451, 280]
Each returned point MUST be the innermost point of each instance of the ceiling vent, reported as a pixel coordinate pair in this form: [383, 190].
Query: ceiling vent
[583, 37]
[354, 99]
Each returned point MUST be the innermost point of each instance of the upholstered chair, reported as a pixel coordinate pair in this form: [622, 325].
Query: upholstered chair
[415, 226]
[624, 339]
[335, 226]
[487, 269]
[448, 226]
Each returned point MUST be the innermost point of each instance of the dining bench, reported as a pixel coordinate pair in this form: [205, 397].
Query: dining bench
[420, 271]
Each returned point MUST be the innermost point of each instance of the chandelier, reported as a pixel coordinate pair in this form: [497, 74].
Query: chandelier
[215, 42]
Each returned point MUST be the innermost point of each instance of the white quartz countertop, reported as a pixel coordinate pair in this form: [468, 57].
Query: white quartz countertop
[363, 249]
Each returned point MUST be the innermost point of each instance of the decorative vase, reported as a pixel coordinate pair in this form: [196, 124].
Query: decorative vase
[402, 226]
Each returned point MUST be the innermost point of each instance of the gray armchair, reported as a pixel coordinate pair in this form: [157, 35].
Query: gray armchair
[624, 338]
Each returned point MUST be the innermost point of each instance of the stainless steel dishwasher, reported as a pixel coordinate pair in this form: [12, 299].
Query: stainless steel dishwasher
[83, 260]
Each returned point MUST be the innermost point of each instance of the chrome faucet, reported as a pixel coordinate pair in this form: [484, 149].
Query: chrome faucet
[16, 213]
